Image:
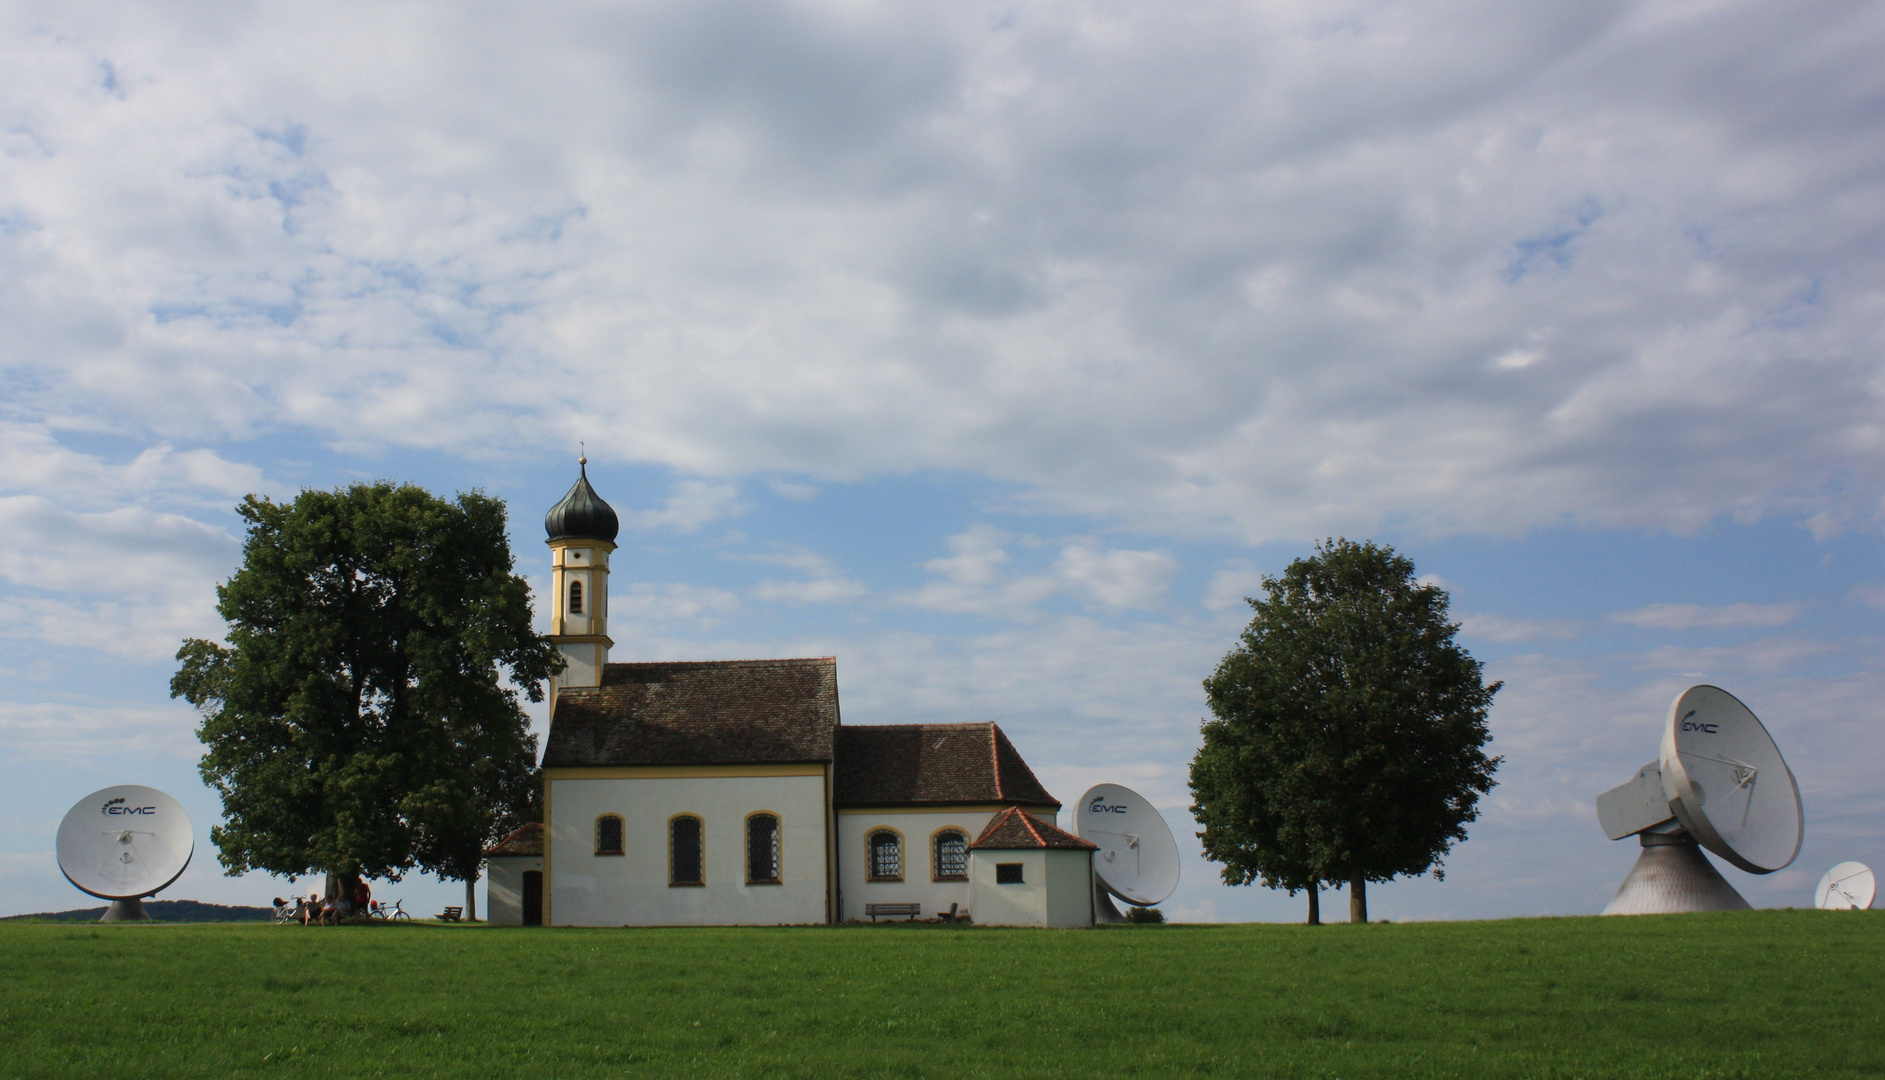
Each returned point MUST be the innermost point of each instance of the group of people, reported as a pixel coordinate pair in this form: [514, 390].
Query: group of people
[315, 909]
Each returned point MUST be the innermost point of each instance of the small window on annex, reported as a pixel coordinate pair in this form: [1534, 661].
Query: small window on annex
[684, 856]
[886, 856]
[952, 855]
[762, 849]
[575, 598]
[609, 835]
[1008, 873]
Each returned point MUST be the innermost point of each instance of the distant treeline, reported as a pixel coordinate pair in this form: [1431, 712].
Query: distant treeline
[160, 911]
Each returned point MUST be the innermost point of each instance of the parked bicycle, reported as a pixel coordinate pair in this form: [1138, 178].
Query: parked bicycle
[377, 910]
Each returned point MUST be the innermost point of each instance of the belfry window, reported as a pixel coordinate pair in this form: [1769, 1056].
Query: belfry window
[685, 864]
[952, 855]
[575, 598]
[886, 855]
[609, 835]
[762, 849]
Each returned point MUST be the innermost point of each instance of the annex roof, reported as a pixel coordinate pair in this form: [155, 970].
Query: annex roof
[1014, 829]
[525, 841]
[932, 765]
[701, 712]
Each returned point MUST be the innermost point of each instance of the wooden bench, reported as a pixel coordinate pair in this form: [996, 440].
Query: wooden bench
[451, 914]
[909, 911]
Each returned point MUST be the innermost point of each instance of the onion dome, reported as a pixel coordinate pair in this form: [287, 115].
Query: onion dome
[582, 515]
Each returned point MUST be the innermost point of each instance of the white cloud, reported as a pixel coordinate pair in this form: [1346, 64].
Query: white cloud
[815, 591]
[639, 601]
[1461, 265]
[1232, 585]
[75, 734]
[1117, 578]
[693, 504]
[1700, 617]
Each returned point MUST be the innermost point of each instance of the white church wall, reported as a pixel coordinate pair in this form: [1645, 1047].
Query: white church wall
[919, 884]
[504, 887]
[632, 889]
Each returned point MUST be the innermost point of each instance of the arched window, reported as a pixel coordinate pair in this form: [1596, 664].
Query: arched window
[609, 835]
[762, 849]
[886, 855]
[685, 864]
[575, 598]
[952, 855]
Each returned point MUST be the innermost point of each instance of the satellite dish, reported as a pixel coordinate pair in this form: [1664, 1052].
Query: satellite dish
[125, 843]
[1721, 784]
[1137, 859]
[1727, 783]
[1846, 887]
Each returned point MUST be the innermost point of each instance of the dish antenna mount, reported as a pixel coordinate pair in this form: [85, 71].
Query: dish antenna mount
[1137, 860]
[1719, 784]
[125, 843]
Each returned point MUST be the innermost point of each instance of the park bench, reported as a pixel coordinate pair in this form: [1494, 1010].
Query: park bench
[908, 911]
[451, 914]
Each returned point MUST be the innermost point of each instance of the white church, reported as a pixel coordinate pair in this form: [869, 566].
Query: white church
[728, 792]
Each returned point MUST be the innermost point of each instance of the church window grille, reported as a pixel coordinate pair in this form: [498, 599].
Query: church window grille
[762, 849]
[1008, 873]
[685, 863]
[952, 855]
[886, 855]
[609, 835]
[575, 598]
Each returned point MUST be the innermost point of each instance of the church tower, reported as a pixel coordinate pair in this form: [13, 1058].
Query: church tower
[582, 530]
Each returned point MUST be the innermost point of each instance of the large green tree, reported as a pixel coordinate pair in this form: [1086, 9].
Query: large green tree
[363, 717]
[1349, 730]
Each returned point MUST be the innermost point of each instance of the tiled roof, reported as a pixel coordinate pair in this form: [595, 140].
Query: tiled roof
[932, 764]
[713, 712]
[525, 841]
[1014, 829]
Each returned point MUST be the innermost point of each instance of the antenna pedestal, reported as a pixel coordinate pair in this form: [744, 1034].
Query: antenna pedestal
[1671, 877]
[131, 910]
[1104, 910]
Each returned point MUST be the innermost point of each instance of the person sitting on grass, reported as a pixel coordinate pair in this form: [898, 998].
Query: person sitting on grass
[330, 911]
[362, 899]
[311, 910]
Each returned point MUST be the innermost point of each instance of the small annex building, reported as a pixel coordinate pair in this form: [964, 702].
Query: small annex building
[729, 792]
[514, 875]
[1026, 872]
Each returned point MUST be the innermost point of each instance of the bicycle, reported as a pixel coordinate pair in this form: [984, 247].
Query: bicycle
[377, 910]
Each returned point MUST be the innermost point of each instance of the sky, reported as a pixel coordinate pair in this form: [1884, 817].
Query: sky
[996, 349]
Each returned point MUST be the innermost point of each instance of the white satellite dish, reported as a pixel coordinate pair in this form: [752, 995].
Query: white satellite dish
[1137, 859]
[125, 843]
[1727, 783]
[1719, 783]
[1846, 887]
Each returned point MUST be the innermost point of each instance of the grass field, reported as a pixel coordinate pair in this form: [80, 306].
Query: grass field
[1747, 994]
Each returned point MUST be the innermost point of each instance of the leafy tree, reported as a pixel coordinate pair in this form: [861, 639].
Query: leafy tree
[358, 720]
[1347, 744]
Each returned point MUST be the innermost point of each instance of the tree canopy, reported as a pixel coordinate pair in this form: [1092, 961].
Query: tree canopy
[363, 717]
[1347, 743]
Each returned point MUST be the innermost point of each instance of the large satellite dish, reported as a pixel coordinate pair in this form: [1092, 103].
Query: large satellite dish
[1846, 887]
[125, 843]
[1726, 781]
[1137, 859]
[1719, 783]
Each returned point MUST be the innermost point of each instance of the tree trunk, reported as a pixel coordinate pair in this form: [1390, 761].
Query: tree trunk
[471, 898]
[1315, 905]
[1357, 899]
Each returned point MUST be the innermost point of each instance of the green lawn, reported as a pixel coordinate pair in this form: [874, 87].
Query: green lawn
[1746, 994]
